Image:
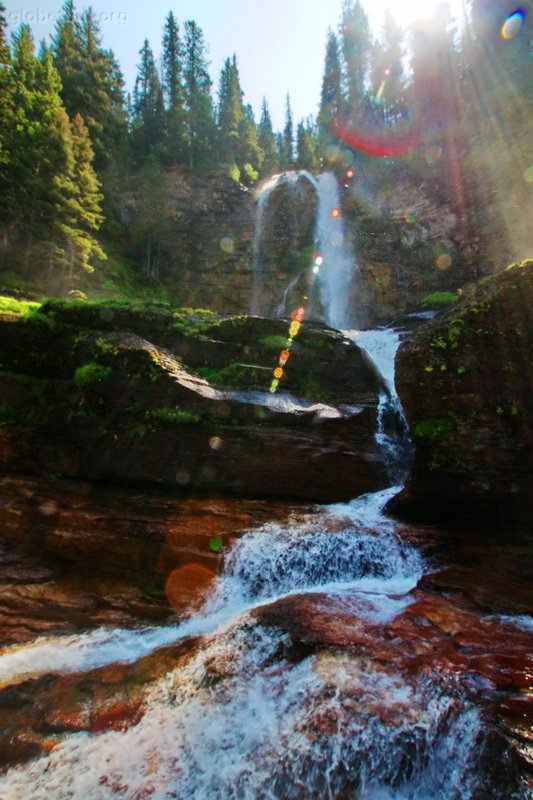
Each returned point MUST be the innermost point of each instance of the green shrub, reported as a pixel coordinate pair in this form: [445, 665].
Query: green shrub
[90, 373]
[438, 299]
[18, 308]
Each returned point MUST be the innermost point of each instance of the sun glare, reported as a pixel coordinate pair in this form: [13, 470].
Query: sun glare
[407, 12]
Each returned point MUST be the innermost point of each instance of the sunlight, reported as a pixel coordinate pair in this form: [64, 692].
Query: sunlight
[407, 12]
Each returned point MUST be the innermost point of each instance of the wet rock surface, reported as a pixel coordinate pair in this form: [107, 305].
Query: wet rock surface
[89, 396]
[75, 555]
[465, 380]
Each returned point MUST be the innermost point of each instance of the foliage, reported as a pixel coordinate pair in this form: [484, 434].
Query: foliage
[90, 373]
[435, 429]
[171, 417]
[18, 308]
[274, 341]
[438, 299]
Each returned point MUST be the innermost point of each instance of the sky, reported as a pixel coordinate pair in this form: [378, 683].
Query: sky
[279, 44]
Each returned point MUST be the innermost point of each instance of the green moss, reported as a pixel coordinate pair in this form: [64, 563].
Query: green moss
[438, 299]
[17, 308]
[274, 341]
[193, 321]
[170, 417]
[90, 373]
[436, 428]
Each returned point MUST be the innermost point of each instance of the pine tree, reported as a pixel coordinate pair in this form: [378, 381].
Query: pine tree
[5, 55]
[356, 44]
[250, 153]
[148, 108]
[198, 100]
[176, 134]
[387, 74]
[49, 196]
[331, 100]
[230, 113]
[287, 152]
[92, 84]
[267, 142]
[306, 147]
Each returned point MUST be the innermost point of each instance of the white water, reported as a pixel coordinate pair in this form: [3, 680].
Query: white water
[392, 432]
[263, 196]
[338, 268]
[245, 718]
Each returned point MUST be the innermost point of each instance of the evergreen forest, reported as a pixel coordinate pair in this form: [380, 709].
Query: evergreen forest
[445, 103]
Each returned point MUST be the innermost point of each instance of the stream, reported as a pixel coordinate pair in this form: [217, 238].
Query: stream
[316, 669]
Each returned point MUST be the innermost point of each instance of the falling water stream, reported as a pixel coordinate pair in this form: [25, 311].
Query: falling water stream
[251, 714]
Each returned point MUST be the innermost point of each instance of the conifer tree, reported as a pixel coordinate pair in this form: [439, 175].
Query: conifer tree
[198, 100]
[331, 99]
[356, 44]
[287, 151]
[50, 195]
[267, 142]
[5, 56]
[7, 99]
[92, 84]
[148, 108]
[387, 73]
[176, 135]
[230, 112]
[306, 147]
[250, 152]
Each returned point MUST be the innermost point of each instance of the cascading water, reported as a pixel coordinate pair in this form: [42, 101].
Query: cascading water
[339, 266]
[392, 431]
[256, 712]
[290, 178]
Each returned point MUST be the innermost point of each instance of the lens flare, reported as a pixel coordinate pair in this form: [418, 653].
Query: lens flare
[335, 212]
[227, 244]
[318, 259]
[294, 328]
[377, 142]
[298, 314]
[512, 25]
[443, 262]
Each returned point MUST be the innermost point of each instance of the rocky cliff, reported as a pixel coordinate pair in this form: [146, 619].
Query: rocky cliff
[181, 401]
[465, 382]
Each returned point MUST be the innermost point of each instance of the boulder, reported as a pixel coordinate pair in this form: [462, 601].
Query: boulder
[105, 393]
[465, 380]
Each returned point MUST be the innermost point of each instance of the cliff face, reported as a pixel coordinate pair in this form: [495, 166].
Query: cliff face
[217, 246]
[465, 382]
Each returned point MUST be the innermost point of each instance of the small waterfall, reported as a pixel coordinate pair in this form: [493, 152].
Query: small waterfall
[392, 429]
[254, 713]
[289, 178]
[338, 269]
[262, 201]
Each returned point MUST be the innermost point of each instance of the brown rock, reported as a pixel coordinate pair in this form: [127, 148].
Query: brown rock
[465, 381]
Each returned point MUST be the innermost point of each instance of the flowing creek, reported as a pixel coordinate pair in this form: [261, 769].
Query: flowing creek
[315, 669]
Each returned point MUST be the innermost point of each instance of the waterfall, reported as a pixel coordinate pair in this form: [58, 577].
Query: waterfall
[338, 267]
[392, 429]
[290, 178]
[252, 714]
[262, 200]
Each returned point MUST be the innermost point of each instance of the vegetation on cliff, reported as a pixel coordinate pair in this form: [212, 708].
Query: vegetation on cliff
[84, 174]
